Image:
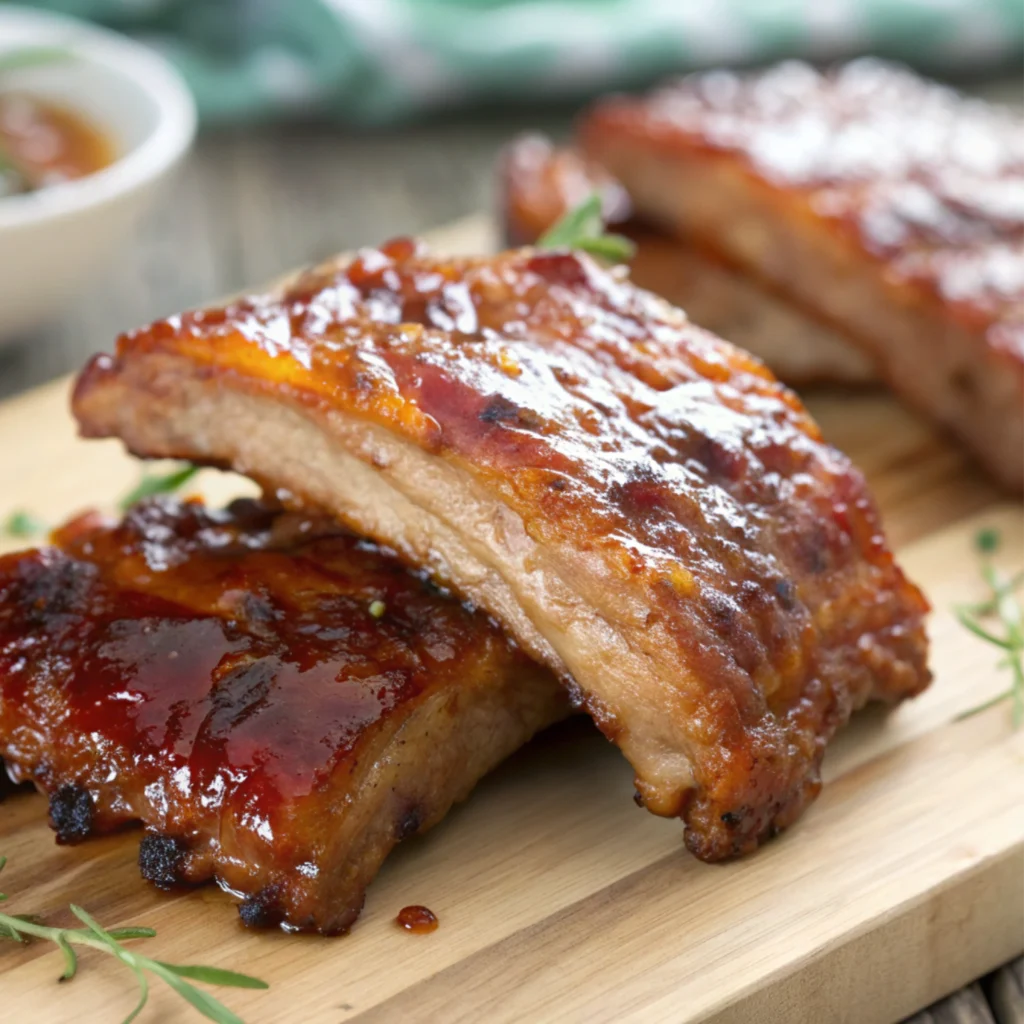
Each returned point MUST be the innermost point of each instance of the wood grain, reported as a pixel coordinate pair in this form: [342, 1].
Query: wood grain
[558, 899]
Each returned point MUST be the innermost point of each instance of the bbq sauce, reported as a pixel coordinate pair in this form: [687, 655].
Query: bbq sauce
[416, 919]
[44, 144]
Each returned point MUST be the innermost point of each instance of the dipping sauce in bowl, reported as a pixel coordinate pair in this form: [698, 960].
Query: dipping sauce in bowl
[42, 144]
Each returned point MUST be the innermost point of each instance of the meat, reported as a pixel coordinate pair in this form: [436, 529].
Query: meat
[887, 204]
[538, 184]
[639, 504]
[278, 702]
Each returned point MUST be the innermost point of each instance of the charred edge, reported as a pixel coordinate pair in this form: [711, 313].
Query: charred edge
[263, 910]
[409, 824]
[72, 814]
[162, 860]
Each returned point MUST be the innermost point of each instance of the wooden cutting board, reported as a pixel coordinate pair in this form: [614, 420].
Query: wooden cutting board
[559, 899]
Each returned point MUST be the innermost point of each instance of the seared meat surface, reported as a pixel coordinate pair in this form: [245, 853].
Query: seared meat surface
[278, 702]
[641, 505]
[889, 205]
[539, 183]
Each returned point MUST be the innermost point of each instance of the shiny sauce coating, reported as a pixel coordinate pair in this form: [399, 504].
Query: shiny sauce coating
[223, 658]
[685, 493]
[919, 177]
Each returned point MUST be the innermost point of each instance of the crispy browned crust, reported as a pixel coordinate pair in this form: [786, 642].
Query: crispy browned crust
[225, 679]
[638, 502]
[889, 205]
[538, 183]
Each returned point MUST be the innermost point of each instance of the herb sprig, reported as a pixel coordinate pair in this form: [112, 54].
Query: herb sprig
[153, 483]
[1001, 605]
[583, 228]
[22, 927]
[22, 525]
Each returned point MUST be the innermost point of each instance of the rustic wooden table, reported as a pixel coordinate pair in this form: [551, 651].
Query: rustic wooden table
[248, 206]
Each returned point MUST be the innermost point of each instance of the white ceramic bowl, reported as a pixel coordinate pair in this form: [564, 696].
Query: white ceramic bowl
[52, 240]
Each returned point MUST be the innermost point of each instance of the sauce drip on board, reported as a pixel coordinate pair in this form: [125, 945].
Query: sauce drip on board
[420, 920]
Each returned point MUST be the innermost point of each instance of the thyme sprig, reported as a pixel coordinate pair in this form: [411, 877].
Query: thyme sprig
[1000, 610]
[22, 927]
[583, 228]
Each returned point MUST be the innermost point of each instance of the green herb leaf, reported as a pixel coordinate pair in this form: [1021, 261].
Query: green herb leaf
[22, 525]
[214, 975]
[211, 1008]
[583, 221]
[22, 927]
[131, 933]
[1002, 606]
[987, 540]
[70, 958]
[152, 484]
[93, 926]
[583, 228]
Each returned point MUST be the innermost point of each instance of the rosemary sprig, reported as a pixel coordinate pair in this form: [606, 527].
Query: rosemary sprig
[21, 927]
[1001, 605]
[583, 228]
[153, 483]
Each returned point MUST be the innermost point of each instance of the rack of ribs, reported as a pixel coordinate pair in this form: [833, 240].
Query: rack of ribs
[891, 206]
[277, 701]
[640, 504]
[539, 183]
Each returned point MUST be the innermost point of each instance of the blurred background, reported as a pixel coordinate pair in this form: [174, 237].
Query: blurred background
[329, 124]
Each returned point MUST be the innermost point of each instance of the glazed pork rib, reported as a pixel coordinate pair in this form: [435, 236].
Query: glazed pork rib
[889, 205]
[638, 503]
[538, 184]
[278, 702]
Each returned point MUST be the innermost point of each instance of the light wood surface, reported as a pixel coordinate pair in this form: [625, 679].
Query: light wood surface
[558, 898]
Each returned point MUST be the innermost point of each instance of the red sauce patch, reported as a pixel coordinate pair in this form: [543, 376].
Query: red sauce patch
[420, 920]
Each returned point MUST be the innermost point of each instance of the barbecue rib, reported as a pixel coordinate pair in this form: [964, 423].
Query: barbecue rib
[537, 184]
[890, 205]
[640, 504]
[227, 679]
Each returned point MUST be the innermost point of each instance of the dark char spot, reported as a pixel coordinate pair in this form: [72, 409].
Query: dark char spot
[731, 819]
[262, 910]
[409, 824]
[161, 859]
[71, 814]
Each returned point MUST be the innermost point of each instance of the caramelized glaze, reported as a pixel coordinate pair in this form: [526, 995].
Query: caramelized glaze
[660, 476]
[539, 183]
[919, 177]
[216, 674]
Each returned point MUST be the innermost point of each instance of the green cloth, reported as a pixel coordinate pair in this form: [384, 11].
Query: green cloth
[378, 61]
